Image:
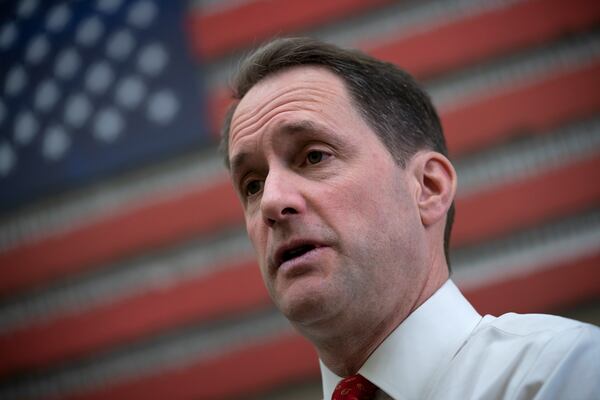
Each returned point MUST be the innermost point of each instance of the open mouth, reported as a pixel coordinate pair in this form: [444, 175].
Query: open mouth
[296, 252]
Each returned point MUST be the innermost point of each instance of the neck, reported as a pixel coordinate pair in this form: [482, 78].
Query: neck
[344, 351]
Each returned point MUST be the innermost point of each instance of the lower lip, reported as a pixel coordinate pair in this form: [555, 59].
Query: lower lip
[298, 264]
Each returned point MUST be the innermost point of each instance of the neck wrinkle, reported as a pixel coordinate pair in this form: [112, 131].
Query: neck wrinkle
[345, 355]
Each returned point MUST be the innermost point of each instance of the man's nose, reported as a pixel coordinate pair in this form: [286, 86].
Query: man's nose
[281, 199]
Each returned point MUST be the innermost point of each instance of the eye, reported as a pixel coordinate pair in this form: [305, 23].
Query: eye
[315, 156]
[253, 187]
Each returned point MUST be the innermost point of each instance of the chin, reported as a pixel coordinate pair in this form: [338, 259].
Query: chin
[303, 312]
[304, 305]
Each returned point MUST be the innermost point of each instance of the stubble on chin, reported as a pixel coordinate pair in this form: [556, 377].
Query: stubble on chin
[304, 305]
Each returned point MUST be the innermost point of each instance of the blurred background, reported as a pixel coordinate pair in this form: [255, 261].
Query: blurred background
[125, 272]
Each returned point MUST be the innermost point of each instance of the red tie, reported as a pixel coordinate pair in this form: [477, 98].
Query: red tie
[355, 387]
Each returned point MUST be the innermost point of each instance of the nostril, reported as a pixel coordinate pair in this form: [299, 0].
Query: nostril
[288, 210]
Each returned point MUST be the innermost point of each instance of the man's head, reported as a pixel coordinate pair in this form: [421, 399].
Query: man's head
[388, 98]
[339, 162]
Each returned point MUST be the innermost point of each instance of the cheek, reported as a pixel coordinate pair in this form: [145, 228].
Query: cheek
[256, 235]
[366, 201]
[259, 243]
[377, 212]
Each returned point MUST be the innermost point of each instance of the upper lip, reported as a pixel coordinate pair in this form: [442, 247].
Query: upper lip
[293, 244]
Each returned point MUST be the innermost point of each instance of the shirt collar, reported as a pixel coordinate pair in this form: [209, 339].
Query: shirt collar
[411, 359]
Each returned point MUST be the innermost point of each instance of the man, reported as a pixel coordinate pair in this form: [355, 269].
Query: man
[340, 163]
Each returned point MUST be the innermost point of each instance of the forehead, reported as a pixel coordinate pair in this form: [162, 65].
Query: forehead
[312, 91]
[309, 82]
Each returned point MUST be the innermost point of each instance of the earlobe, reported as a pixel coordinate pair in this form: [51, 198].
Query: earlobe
[436, 178]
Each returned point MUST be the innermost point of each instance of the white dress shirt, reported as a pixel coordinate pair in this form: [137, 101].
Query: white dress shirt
[446, 350]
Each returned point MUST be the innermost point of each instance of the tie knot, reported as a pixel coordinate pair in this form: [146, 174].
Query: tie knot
[355, 387]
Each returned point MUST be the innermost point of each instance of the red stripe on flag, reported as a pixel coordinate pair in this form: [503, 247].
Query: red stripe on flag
[239, 374]
[527, 202]
[221, 32]
[567, 284]
[532, 106]
[125, 233]
[468, 40]
[229, 290]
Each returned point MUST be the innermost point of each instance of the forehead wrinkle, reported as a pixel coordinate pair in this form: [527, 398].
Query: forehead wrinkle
[280, 125]
[311, 95]
[255, 119]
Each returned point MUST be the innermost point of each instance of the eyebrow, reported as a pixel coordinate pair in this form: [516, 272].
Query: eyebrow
[237, 162]
[291, 128]
[303, 126]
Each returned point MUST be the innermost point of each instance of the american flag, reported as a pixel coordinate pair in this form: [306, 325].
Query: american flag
[90, 88]
[125, 271]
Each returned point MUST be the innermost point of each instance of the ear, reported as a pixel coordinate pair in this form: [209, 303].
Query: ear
[436, 183]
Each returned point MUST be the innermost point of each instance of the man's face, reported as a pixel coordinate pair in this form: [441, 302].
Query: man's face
[332, 217]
